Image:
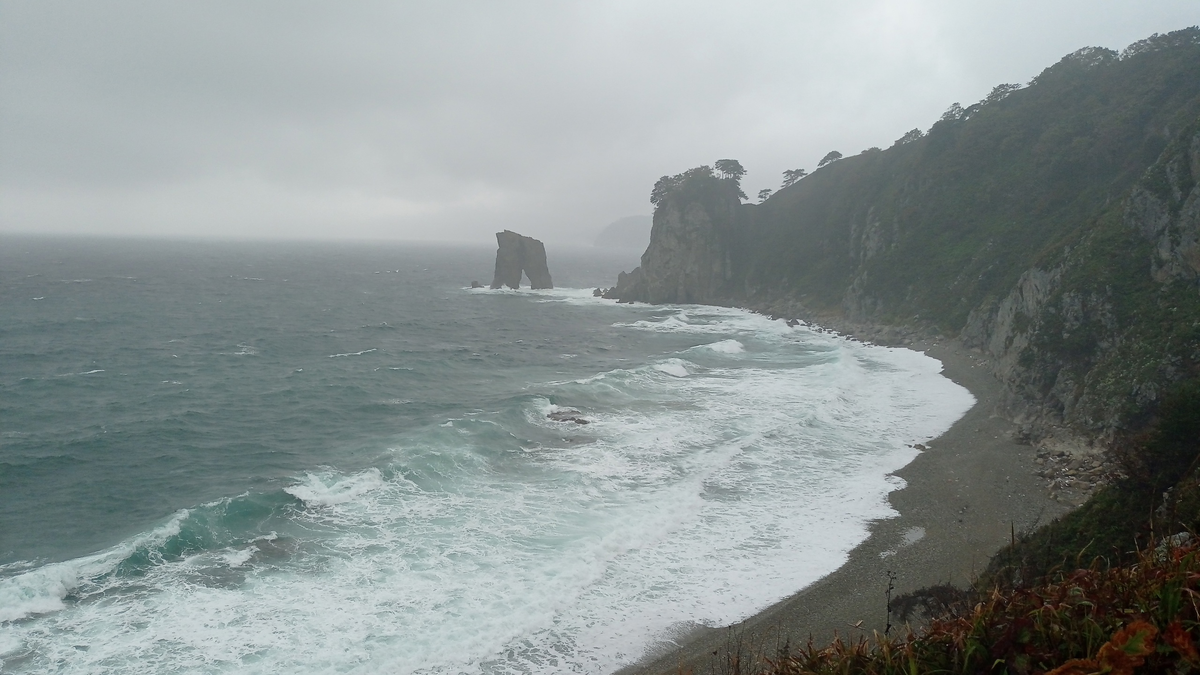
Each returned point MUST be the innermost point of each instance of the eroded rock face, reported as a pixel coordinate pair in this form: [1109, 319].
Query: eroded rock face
[688, 259]
[517, 254]
[1165, 209]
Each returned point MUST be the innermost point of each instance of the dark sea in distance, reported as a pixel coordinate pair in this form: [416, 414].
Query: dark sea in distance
[232, 457]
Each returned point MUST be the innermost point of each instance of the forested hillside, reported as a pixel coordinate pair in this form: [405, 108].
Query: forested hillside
[1054, 226]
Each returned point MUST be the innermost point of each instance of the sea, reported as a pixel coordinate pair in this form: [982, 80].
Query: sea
[257, 457]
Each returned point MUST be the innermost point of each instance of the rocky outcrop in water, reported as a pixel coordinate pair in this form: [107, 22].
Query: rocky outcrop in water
[568, 416]
[517, 254]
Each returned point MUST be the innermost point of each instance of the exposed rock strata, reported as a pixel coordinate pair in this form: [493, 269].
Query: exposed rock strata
[517, 254]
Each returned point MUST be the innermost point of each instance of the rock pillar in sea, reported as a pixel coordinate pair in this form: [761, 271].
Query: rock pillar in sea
[516, 254]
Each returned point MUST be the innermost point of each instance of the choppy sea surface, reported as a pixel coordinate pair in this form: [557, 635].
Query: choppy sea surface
[337, 458]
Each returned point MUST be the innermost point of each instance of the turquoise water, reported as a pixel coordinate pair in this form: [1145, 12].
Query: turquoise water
[220, 457]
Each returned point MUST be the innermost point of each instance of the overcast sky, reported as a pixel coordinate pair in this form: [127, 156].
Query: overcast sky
[451, 120]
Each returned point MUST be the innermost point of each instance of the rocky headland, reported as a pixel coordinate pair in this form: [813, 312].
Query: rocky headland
[1044, 243]
[1054, 234]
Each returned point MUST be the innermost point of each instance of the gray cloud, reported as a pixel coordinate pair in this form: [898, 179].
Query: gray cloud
[451, 120]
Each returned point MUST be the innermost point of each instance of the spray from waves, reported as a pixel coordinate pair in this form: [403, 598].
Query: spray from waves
[707, 484]
[673, 367]
[726, 347]
[43, 589]
[320, 490]
[218, 526]
[572, 296]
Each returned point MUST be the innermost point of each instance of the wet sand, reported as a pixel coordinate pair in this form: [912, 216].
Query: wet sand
[965, 494]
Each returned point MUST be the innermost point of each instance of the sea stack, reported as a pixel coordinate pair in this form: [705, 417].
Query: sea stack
[516, 254]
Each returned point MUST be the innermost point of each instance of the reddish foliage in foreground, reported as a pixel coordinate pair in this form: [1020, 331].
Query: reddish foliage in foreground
[1140, 618]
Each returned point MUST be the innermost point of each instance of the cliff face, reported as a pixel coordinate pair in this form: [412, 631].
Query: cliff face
[691, 243]
[1090, 340]
[1055, 228]
[517, 254]
[1165, 209]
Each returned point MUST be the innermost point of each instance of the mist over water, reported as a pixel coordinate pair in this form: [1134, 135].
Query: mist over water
[303, 458]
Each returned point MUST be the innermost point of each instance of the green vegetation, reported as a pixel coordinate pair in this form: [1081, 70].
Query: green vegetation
[1142, 617]
[1048, 224]
[1056, 227]
[700, 184]
[791, 176]
[945, 222]
[830, 158]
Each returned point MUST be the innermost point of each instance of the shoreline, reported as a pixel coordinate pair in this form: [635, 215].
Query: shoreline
[964, 495]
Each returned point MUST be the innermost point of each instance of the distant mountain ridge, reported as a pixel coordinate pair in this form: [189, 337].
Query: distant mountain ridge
[1055, 227]
[630, 232]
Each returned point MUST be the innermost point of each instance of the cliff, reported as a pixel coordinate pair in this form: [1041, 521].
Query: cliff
[1053, 227]
[517, 254]
[691, 239]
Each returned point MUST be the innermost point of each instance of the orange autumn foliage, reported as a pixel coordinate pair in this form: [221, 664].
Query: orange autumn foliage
[1144, 617]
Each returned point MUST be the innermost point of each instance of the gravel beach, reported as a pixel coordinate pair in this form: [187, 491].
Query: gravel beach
[965, 494]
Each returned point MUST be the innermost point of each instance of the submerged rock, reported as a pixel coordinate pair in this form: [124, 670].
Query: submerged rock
[517, 253]
[567, 416]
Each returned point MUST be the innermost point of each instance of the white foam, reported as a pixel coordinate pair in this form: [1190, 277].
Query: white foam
[704, 494]
[570, 296]
[365, 351]
[239, 557]
[673, 367]
[727, 347]
[42, 590]
[328, 488]
[8, 645]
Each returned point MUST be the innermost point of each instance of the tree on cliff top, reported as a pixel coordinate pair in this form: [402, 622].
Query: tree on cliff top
[702, 180]
[833, 156]
[662, 187]
[667, 184]
[914, 135]
[791, 176]
[730, 168]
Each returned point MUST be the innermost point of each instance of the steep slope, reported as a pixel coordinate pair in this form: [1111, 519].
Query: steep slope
[1052, 226]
